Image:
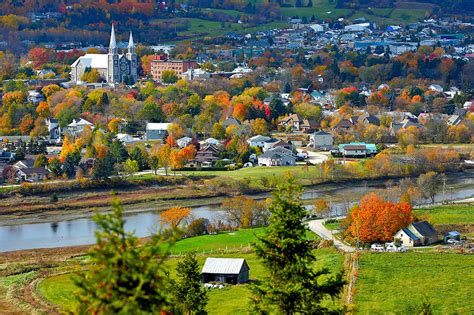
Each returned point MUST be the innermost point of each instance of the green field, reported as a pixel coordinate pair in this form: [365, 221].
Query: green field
[221, 241]
[255, 174]
[448, 214]
[60, 290]
[394, 283]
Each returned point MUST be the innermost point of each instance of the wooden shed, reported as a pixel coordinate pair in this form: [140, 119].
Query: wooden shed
[225, 270]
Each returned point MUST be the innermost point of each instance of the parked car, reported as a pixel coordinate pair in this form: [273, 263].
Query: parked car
[452, 241]
[377, 247]
[248, 164]
[390, 247]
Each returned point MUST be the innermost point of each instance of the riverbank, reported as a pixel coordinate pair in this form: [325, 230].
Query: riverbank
[197, 192]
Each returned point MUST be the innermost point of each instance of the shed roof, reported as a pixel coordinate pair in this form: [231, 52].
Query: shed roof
[223, 265]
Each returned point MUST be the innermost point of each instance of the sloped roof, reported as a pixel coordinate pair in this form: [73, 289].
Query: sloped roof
[94, 61]
[223, 265]
[157, 126]
[321, 133]
[424, 228]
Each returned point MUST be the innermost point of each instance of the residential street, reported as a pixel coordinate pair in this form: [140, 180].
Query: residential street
[317, 227]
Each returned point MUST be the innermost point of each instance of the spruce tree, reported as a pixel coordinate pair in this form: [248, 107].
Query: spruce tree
[190, 295]
[122, 277]
[292, 283]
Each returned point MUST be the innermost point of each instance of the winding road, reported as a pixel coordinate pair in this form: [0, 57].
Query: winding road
[317, 227]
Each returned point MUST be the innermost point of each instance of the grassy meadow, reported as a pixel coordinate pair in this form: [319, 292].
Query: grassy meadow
[394, 283]
[448, 214]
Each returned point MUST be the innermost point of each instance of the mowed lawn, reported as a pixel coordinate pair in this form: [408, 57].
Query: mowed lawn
[448, 214]
[258, 172]
[60, 290]
[394, 283]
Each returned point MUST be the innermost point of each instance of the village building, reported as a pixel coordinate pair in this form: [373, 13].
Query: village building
[156, 131]
[417, 234]
[321, 139]
[113, 67]
[278, 156]
[225, 270]
[207, 155]
[179, 67]
[32, 174]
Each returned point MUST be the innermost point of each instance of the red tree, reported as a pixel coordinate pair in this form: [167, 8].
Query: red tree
[375, 219]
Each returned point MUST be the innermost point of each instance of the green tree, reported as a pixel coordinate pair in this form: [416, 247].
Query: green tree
[41, 161]
[140, 156]
[292, 285]
[154, 163]
[191, 297]
[69, 166]
[169, 76]
[122, 277]
[118, 151]
[130, 167]
[55, 167]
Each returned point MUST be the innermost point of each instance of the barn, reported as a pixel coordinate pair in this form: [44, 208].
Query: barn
[225, 270]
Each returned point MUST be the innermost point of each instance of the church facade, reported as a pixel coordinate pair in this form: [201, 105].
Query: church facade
[114, 68]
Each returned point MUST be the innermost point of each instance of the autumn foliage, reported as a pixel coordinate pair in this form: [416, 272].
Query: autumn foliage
[174, 216]
[377, 220]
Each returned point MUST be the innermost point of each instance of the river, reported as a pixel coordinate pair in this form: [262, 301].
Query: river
[82, 231]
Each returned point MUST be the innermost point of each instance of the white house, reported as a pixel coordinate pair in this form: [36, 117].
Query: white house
[258, 141]
[35, 97]
[277, 157]
[417, 234]
[126, 138]
[77, 126]
[156, 131]
[184, 142]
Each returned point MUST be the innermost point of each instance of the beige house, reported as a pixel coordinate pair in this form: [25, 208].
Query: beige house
[417, 234]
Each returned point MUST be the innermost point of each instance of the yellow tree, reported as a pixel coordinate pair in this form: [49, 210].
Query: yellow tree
[176, 160]
[164, 154]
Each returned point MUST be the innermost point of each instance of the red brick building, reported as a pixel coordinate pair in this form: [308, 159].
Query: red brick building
[178, 66]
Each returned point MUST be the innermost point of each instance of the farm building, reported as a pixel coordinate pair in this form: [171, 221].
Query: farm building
[417, 234]
[226, 270]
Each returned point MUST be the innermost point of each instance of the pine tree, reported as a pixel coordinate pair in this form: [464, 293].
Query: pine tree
[292, 285]
[310, 4]
[190, 295]
[124, 278]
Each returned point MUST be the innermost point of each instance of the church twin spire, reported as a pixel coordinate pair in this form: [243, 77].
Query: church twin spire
[113, 43]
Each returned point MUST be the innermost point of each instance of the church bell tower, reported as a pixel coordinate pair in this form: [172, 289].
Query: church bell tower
[132, 57]
[112, 66]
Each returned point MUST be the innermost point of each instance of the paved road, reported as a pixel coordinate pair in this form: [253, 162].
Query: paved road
[317, 227]
[314, 157]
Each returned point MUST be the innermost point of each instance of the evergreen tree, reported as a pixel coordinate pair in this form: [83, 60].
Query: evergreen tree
[277, 108]
[124, 278]
[69, 166]
[292, 285]
[118, 151]
[137, 155]
[310, 4]
[287, 88]
[191, 297]
[298, 3]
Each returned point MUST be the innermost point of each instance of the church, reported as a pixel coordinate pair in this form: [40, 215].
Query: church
[114, 68]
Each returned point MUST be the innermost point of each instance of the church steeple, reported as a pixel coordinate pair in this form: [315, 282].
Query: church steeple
[131, 44]
[113, 43]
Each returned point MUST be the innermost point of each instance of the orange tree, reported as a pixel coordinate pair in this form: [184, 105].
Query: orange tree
[174, 216]
[377, 220]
